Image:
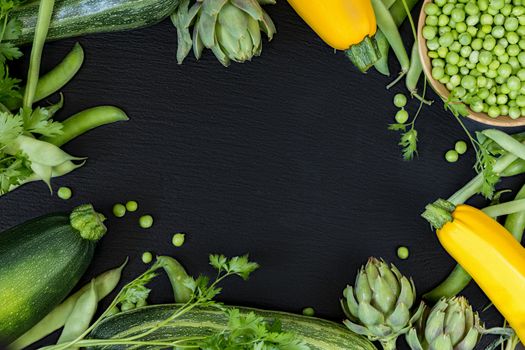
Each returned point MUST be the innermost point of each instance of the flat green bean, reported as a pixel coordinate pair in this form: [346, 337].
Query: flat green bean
[85, 121]
[506, 142]
[517, 167]
[503, 209]
[176, 274]
[414, 73]
[80, 317]
[388, 26]
[381, 65]
[104, 284]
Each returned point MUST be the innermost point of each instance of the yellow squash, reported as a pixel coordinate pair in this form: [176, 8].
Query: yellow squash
[344, 25]
[488, 252]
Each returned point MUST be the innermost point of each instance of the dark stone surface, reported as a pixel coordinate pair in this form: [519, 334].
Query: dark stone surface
[287, 157]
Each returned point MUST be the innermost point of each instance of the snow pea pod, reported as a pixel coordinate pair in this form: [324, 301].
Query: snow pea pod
[80, 317]
[105, 283]
[85, 121]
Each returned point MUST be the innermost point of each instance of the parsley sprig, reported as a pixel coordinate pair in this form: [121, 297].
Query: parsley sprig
[243, 331]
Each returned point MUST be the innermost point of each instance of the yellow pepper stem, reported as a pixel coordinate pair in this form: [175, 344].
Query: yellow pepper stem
[364, 54]
[439, 213]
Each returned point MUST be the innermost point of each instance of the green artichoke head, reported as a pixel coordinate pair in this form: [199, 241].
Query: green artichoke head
[230, 28]
[450, 325]
[380, 305]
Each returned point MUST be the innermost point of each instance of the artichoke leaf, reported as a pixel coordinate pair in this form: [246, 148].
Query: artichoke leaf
[251, 7]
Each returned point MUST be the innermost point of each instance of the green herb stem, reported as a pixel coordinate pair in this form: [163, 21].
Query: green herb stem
[44, 18]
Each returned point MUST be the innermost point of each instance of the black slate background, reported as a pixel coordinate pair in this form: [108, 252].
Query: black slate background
[287, 157]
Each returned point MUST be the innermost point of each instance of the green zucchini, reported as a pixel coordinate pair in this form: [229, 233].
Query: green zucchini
[73, 18]
[318, 334]
[41, 261]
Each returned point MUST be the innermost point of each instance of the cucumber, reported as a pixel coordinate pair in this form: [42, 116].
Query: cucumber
[318, 334]
[73, 18]
[41, 261]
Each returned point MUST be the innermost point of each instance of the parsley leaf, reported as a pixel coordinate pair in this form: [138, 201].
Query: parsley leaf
[11, 126]
[14, 169]
[408, 143]
[39, 120]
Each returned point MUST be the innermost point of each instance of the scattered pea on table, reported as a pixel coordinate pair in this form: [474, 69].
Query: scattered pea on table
[309, 311]
[401, 116]
[178, 239]
[147, 257]
[452, 156]
[132, 206]
[400, 100]
[403, 252]
[146, 221]
[64, 193]
[119, 210]
[460, 147]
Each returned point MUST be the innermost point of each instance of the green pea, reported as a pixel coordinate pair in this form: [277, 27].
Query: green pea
[513, 50]
[498, 50]
[429, 32]
[503, 58]
[511, 24]
[464, 39]
[483, 93]
[432, 9]
[521, 43]
[512, 37]
[491, 99]
[489, 43]
[520, 101]
[514, 112]
[403, 252]
[468, 82]
[442, 52]
[514, 83]
[455, 46]
[521, 30]
[486, 19]
[474, 57]
[146, 221]
[506, 10]
[504, 89]
[465, 51]
[471, 21]
[485, 30]
[472, 30]
[178, 239]
[476, 104]
[309, 311]
[499, 19]
[494, 65]
[521, 74]
[64, 193]
[514, 63]
[505, 70]
[447, 9]
[504, 110]
[446, 40]
[443, 20]
[147, 257]
[433, 54]
[440, 3]
[477, 44]
[485, 57]
[451, 69]
[400, 100]
[119, 210]
[445, 79]
[466, 71]
[132, 206]
[459, 91]
[518, 10]
[460, 147]
[433, 44]
[443, 30]
[457, 15]
[483, 4]
[498, 32]
[451, 156]
[471, 8]
[521, 58]
[438, 62]
[501, 99]
[452, 58]
[401, 116]
[455, 80]
[512, 96]
[431, 20]
[493, 111]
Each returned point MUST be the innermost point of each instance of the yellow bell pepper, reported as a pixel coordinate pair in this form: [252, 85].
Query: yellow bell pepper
[488, 252]
[344, 25]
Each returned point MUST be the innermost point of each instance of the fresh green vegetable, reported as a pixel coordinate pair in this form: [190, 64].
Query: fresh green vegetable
[85, 121]
[119, 210]
[177, 275]
[132, 206]
[477, 63]
[40, 262]
[147, 257]
[403, 253]
[388, 27]
[207, 323]
[80, 317]
[401, 116]
[64, 193]
[230, 28]
[104, 284]
[380, 305]
[73, 18]
[178, 239]
[309, 311]
[146, 221]
[451, 324]
[400, 100]
[460, 147]
[451, 156]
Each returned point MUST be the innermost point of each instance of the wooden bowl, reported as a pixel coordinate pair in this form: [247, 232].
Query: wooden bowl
[502, 121]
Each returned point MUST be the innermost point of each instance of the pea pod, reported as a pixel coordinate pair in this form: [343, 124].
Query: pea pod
[176, 274]
[80, 317]
[85, 121]
[506, 142]
[105, 283]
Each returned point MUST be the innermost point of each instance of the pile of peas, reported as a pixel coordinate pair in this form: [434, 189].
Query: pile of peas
[476, 49]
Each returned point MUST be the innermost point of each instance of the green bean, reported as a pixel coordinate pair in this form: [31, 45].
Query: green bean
[85, 121]
[459, 278]
[503, 209]
[176, 274]
[388, 3]
[414, 73]
[386, 23]
[516, 168]
[399, 14]
[506, 142]
[104, 284]
[45, 10]
[80, 317]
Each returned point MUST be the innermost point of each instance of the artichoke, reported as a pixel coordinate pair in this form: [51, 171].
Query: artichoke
[230, 28]
[450, 325]
[379, 305]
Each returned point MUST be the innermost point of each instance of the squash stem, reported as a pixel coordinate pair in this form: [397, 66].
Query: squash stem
[364, 54]
[439, 213]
